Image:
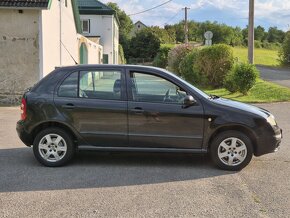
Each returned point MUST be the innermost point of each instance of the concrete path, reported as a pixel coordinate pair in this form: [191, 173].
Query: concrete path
[275, 75]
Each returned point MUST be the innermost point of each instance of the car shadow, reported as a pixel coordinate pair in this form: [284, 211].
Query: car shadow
[19, 170]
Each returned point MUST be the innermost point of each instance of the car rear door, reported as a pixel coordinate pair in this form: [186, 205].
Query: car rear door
[94, 102]
[156, 115]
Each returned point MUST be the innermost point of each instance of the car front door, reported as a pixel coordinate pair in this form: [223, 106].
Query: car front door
[156, 115]
[94, 102]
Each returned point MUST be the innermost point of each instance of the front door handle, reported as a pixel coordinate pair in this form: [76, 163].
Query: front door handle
[68, 106]
[137, 110]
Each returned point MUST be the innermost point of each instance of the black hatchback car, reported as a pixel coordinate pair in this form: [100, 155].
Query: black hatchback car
[137, 108]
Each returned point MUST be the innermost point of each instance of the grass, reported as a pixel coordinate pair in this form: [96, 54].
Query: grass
[168, 45]
[262, 56]
[262, 92]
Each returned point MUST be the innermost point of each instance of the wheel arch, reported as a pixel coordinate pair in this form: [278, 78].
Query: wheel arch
[60, 125]
[239, 128]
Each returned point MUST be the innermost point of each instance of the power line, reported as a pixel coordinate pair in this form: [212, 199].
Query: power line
[171, 18]
[150, 8]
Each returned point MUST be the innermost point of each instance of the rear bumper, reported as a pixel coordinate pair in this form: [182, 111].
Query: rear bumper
[269, 143]
[23, 135]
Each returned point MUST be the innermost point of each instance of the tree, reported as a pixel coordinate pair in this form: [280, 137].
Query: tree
[144, 45]
[284, 53]
[126, 25]
[162, 34]
[259, 33]
[275, 35]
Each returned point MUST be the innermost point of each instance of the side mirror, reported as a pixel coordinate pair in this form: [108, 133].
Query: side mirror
[188, 101]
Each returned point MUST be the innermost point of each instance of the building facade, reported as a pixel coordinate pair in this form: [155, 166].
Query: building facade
[138, 26]
[99, 21]
[39, 35]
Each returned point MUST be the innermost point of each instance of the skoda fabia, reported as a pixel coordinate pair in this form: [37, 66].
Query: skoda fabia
[141, 109]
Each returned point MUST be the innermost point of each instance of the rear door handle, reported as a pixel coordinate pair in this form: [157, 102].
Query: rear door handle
[68, 106]
[137, 110]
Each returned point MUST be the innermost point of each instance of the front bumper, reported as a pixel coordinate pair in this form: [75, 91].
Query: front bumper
[270, 142]
[23, 134]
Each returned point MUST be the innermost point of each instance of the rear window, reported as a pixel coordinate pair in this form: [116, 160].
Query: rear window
[69, 87]
[48, 83]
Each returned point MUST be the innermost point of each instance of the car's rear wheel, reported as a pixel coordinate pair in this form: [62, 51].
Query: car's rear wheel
[53, 147]
[231, 150]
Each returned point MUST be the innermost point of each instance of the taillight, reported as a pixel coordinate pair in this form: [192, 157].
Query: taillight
[23, 109]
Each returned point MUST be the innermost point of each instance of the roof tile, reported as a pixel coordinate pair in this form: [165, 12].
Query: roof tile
[24, 3]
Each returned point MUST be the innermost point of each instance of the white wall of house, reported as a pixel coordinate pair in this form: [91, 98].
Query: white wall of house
[107, 28]
[19, 54]
[95, 50]
[116, 41]
[59, 37]
[30, 46]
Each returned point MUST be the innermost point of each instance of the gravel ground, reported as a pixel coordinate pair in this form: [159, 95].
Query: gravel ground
[141, 185]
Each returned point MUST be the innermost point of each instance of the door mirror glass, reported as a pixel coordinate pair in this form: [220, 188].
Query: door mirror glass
[188, 101]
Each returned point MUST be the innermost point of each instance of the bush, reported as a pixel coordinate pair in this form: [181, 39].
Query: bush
[214, 63]
[258, 44]
[284, 53]
[176, 55]
[229, 83]
[241, 78]
[161, 59]
[187, 69]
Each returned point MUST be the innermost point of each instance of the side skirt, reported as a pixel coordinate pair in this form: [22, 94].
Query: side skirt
[134, 149]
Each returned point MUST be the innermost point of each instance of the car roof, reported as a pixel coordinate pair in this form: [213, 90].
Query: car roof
[109, 66]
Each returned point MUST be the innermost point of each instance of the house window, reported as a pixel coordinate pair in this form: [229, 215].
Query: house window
[86, 26]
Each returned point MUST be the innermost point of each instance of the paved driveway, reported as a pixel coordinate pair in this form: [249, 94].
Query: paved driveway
[141, 185]
[276, 75]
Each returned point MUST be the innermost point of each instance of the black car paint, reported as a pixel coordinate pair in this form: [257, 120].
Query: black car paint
[118, 125]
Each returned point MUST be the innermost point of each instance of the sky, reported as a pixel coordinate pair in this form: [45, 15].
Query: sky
[231, 12]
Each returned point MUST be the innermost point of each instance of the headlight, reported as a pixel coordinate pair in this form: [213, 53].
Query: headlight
[271, 120]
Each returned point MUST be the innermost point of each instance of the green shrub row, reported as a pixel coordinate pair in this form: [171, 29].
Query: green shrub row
[211, 66]
[267, 45]
[284, 53]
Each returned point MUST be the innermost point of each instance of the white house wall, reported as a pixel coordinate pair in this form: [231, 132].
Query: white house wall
[18, 51]
[95, 51]
[101, 25]
[59, 36]
[116, 41]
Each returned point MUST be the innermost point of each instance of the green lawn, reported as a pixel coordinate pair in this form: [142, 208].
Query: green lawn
[262, 56]
[262, 92]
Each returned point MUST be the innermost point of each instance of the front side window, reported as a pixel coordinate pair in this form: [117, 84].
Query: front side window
[155, 89]
[86, 26]
[100, 85]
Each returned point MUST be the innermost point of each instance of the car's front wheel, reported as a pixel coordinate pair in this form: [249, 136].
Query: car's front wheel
[231, 150]
[53, 147]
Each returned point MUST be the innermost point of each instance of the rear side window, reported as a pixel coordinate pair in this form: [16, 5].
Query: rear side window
[69, 87]
[100, 85]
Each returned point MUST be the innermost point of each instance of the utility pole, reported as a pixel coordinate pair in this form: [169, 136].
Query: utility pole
[251, 33]
[186, 25]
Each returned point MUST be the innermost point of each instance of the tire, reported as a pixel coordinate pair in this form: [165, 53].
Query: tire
[231, 150]
[53, 147]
